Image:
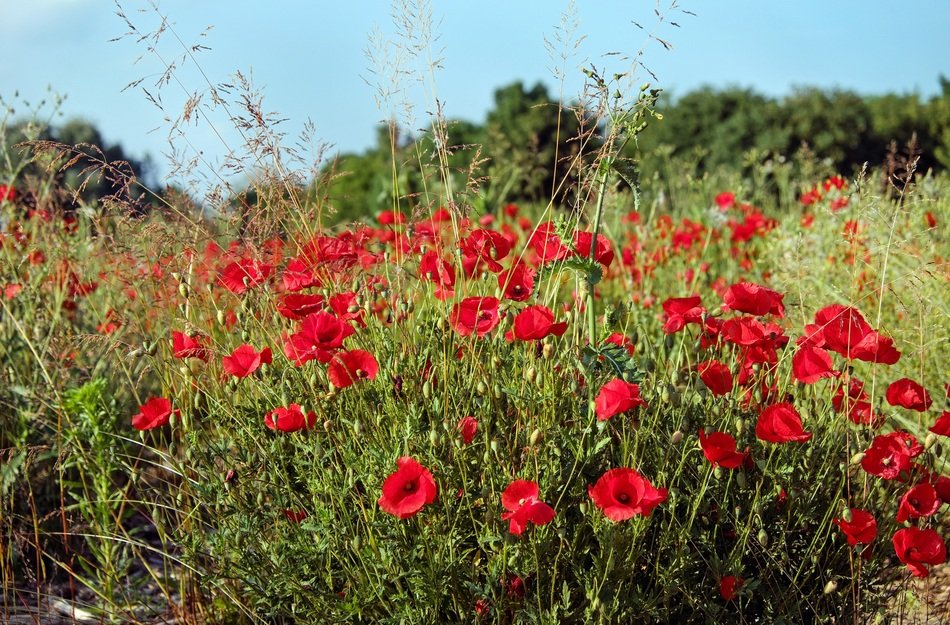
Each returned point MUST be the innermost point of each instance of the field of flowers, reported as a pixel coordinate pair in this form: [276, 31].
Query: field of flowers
[721, 403]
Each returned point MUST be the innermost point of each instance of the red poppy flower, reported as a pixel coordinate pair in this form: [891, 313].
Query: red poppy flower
[319, 336]
[919, 501]
[681, 311]
[153, 414]
[433, 268]
[916, 547]
[781, 423]
[296, 306]
[520, 499]
[753, 299]
[716, 376]
[298, 276]
[843, 330]
[289, 419]
[12, 290]
[890, 454]
[534, 323]
[942, 425]
[862, 528]
[484, 248]
[615, 397]
[345, 308]
[810, 363]
[467, 427]
[244, 274]
[854, 401]
[720, 449]
[478, 315]
[729, 585]
[188, 346]
[352, 366]
[547, 245]
[295, 516]
[407, 490]
[245, 360]
[7, 193]
[603, 253]
[623, 493]
[908, 394]
[517, 283]
[620, 340]
[725, 200]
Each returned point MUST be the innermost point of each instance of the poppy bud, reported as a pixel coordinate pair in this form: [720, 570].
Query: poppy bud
[668, 342]
[930, 441]
[846, 515]
[183, 289]
[357, 427]
[433, 437]
[582, 506]
[717, 472]
[355, 543]
[426, 389]
[763, 538]
[496, 391]
[741, 479]
[197, 401]
[530, 374]
[547, 350]
[535, 436]
[494, 446]
[831, 587]
[857, 458]
[220, 317]
[480, 388]
[327, 426]
[677, 437]
[740, 426]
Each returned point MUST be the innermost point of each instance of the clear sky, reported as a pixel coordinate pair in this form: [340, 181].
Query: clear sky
[309, 58]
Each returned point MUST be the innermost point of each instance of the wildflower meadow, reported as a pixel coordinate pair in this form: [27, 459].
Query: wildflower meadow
[654, 397]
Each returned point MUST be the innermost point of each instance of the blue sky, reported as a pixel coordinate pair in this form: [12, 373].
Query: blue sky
[308, 57]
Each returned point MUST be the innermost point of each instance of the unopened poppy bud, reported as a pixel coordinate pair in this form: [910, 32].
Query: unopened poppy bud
[357, 427]
[197, 401]
[718, 473]
[583, 507]
[846, 514]
[183, 289]
[494, 446]
[220, 317]
[481, 388]
[857, 458]
[740, 426]
[496, 391]
[677, 437]
[665, 395]
[531, 374]
[426, 389]
[173, 418]
[433, 437]
[669, 341]
[355, 542]
[547, 350]
[763, 538]
[535, 437]
[930, 441]
[327, 425]
[831, 587]
[741, 479]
